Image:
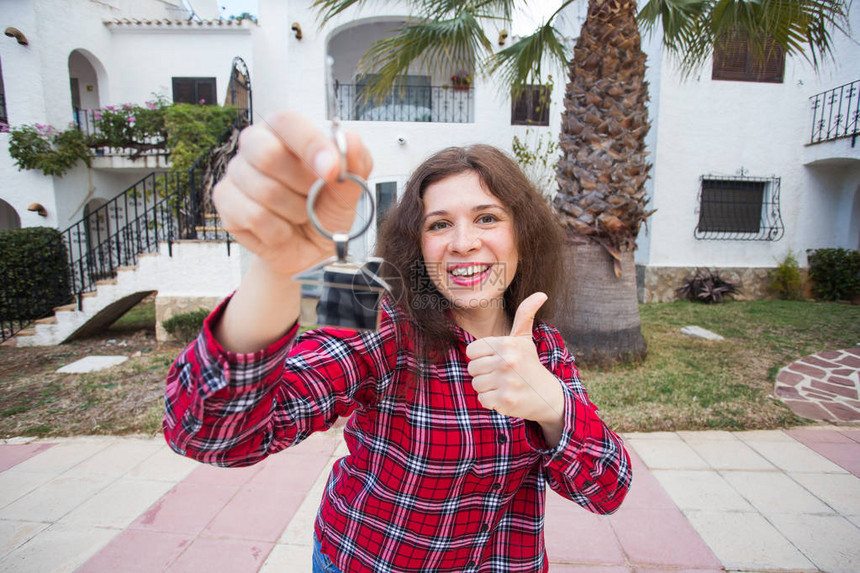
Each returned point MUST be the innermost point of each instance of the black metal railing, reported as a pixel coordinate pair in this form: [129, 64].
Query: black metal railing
[161, 207]
[836, 113]
[87, 121]
[443, 104]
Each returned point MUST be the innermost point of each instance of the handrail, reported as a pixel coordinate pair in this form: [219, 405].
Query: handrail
[162, 206]
[836, 113]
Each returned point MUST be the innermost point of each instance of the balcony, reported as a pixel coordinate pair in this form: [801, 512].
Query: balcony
[438, 104]
[836, 114]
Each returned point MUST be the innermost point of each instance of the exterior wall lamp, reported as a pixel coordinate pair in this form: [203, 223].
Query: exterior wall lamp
[503, 35]
[38, 209]
[18, 35]
[297, 29]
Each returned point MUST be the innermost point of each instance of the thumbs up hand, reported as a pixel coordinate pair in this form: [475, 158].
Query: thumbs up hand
[509, 377]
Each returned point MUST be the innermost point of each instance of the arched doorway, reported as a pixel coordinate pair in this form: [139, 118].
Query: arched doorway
[239, 90]
[9, 218]
[84, 87]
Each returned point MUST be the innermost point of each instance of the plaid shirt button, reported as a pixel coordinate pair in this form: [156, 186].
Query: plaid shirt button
[502, 438]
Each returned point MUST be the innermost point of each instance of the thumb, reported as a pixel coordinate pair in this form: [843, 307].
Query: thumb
[525, 317]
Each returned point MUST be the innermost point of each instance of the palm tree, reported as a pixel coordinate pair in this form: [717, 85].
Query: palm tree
[603, 168]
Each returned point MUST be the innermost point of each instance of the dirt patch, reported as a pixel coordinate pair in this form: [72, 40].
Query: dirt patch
[126, 399]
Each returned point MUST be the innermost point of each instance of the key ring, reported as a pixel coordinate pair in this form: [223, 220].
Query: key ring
[341, 239]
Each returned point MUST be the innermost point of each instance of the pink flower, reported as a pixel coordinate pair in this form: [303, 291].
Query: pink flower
[131, 119]
[151, 105]
[127, 106]
[110, 108]
[202, 101]
[97, 114]
[4, 127]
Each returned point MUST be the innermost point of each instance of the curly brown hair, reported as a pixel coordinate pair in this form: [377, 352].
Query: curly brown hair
[539, 241]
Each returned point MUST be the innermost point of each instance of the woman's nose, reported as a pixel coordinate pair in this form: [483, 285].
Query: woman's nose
[465, 240]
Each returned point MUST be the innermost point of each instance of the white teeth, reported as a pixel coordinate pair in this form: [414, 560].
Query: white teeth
[469, 271]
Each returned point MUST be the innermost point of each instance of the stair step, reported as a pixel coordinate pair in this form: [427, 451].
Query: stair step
[46, 320]
[72, 306]
[26, 333]
[131, 268]
[105, 282]
[90, 294]
[11, 342]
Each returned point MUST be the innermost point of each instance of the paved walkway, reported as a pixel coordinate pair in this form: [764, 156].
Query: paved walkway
[701, 502]
[823, 386]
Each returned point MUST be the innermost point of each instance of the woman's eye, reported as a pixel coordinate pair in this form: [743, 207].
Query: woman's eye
[436, 225]
[486, 219]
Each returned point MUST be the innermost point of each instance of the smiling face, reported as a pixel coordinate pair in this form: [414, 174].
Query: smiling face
[468, 243]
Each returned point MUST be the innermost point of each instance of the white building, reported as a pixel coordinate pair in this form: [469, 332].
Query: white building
[88, 54]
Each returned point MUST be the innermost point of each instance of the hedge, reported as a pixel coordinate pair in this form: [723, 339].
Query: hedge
[34, 273]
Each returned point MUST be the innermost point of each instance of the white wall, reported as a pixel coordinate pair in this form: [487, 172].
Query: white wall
[707, 127]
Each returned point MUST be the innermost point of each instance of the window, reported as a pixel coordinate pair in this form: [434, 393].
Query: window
[742, 208]
[531, 107]
[386, 196]
[194, 90]
[3, 117]
[735, 60]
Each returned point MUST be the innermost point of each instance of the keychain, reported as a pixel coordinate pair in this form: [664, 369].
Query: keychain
[350, 291]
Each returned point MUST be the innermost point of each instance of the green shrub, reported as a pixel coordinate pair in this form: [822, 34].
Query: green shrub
[34, 273]
[836, 273]
[786, 282]
[706, 286]
[43, 147]
[187, 325]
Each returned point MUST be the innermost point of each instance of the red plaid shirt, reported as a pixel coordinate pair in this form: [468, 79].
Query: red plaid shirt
[433, 481]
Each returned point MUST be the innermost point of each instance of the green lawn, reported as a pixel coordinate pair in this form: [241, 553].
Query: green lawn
[688, 383]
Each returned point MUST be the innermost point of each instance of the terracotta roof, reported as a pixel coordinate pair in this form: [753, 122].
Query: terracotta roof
[173, 24]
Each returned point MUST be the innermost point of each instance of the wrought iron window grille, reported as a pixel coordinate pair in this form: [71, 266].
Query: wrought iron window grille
[739, 208]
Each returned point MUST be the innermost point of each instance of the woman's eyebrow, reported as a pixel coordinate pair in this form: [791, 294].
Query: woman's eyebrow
[475, 208]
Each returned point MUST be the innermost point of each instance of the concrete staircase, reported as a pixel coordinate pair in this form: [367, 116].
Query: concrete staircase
[195, 274]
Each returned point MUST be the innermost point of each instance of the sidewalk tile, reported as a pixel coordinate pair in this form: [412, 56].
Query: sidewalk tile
[14, 484]
[763, 436]
[13, 454]
[115, 460]
[772, 492]
[297, 476]
[706, 436]
[118, 504]
[727, 455]
[853, 434]
[646, 492]
[830, 542]
[164, 465]
[54, 499]
[302, 522]
[794, 457]
[205, 474]
[63, 456]
[137, 552]
[14, 533]
[255, 514]
[661, 537]
[746, 541]
[667, 453]
[846, 456]
[839, 491]
[57, 549]
[221, 555]
[819, 435]
[575, 535]
[566, 568]
[674, 570]
[702, 490]
[289, 559]
[187, 508]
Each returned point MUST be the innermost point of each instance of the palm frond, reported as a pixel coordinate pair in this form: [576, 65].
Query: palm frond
[520, 63]
[437, 45]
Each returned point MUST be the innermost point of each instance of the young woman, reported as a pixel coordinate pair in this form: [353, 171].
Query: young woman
[463, 406]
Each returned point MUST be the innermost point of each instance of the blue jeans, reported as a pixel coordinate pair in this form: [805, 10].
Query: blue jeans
[322, 564]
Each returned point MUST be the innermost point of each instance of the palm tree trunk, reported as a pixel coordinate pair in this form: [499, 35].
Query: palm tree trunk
[599, 315]
[601, 175]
